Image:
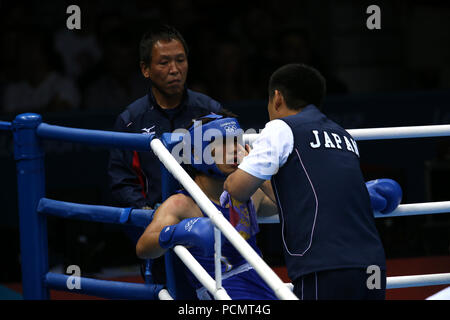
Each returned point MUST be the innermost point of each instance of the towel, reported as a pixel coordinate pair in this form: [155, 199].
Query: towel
[242, 215]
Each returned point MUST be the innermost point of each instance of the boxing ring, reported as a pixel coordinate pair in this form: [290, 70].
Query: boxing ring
[28, 131]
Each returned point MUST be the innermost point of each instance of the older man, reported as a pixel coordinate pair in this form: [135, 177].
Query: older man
[135, 178]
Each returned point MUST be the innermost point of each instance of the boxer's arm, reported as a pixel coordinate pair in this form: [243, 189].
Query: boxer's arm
[265, 191]
[241, 185]
[175, 209]
[264, 206]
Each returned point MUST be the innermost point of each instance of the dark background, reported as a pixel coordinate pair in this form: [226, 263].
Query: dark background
[396, 76]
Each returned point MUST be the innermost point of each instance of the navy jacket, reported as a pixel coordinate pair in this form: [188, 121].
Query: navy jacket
[325, 211]
[135, 178]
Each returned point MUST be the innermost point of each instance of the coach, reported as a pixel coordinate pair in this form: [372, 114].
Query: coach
[328, 228]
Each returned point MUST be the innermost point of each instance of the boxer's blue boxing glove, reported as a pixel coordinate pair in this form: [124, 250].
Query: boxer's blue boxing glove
[192, 232]
[385, 194]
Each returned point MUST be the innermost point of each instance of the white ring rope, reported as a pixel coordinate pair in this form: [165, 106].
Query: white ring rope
[218, 257]
[386, 133]
[422, 280]
[402, 210]
[417, 281]
[411, 209]
[400, 132]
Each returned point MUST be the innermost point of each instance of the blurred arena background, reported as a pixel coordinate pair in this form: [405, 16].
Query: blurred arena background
[396, 76]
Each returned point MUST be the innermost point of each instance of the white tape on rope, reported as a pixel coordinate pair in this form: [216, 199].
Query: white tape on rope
[164, 295]
[418, 280]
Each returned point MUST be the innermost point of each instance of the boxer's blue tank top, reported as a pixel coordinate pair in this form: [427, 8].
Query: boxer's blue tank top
[231, 258]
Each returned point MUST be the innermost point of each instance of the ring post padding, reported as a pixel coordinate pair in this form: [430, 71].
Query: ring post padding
[109, 139]
[29, 158]
[104, 214]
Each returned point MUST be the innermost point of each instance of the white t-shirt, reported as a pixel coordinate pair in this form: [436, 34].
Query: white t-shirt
[269, 151]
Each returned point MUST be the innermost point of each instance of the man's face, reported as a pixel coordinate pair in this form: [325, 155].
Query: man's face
[169, 67]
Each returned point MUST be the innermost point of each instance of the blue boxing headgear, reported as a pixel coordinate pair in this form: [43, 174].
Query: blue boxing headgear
[202, 135]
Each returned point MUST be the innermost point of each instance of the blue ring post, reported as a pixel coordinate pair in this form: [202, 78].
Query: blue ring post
[29, 158]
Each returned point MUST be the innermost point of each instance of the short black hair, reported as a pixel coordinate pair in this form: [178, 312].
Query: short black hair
[157, 33]
[300, 85]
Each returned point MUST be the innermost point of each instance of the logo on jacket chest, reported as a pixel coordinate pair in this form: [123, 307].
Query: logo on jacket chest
[150, 130]
[331, 140]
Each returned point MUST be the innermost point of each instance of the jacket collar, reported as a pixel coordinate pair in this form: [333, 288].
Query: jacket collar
[154, 105]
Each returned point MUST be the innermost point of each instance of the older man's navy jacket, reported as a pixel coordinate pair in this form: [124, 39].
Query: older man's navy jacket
[135, 178]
